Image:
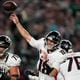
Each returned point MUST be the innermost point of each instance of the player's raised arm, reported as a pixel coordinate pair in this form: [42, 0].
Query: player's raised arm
[20, 28]
[25, 34]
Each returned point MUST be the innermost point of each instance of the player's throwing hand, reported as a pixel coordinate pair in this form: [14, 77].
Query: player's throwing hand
[14, 18]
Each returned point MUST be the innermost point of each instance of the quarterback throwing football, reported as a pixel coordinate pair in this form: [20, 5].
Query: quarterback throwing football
[50, 54]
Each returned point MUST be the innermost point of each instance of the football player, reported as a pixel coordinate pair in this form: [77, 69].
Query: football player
[70, 69]
[50, 54]
[9, 63]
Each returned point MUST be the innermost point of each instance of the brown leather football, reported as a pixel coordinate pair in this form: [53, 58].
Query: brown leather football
[9, 6]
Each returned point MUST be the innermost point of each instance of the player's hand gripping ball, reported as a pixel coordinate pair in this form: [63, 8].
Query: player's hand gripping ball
[9, 6]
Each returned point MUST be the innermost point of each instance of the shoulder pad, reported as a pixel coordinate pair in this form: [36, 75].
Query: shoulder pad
[14, 60]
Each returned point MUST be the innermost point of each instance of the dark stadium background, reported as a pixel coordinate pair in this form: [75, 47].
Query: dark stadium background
[39, 17]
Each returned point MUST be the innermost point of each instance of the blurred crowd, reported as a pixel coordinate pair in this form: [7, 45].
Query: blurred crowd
[39, 17]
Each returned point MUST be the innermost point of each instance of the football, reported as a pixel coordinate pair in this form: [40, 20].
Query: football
[9, 6]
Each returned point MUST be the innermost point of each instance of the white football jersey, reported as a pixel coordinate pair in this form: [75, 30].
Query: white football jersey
[53, 59]
[71, 68]
[9, 60]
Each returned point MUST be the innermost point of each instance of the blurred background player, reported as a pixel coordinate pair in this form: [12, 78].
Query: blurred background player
[9, 63]
[50, 54]
[70, 69]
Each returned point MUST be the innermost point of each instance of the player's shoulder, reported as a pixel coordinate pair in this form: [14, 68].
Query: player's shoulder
[41, 39]
[13, 56]
[41, 42]
[13, 59]
[60, 51]
[38, 41]
[59, 55]
[74, 54]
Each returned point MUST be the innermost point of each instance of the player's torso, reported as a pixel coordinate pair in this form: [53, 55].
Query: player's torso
[6, 63]
[50, 58]
[71, 68]
[54, 55]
